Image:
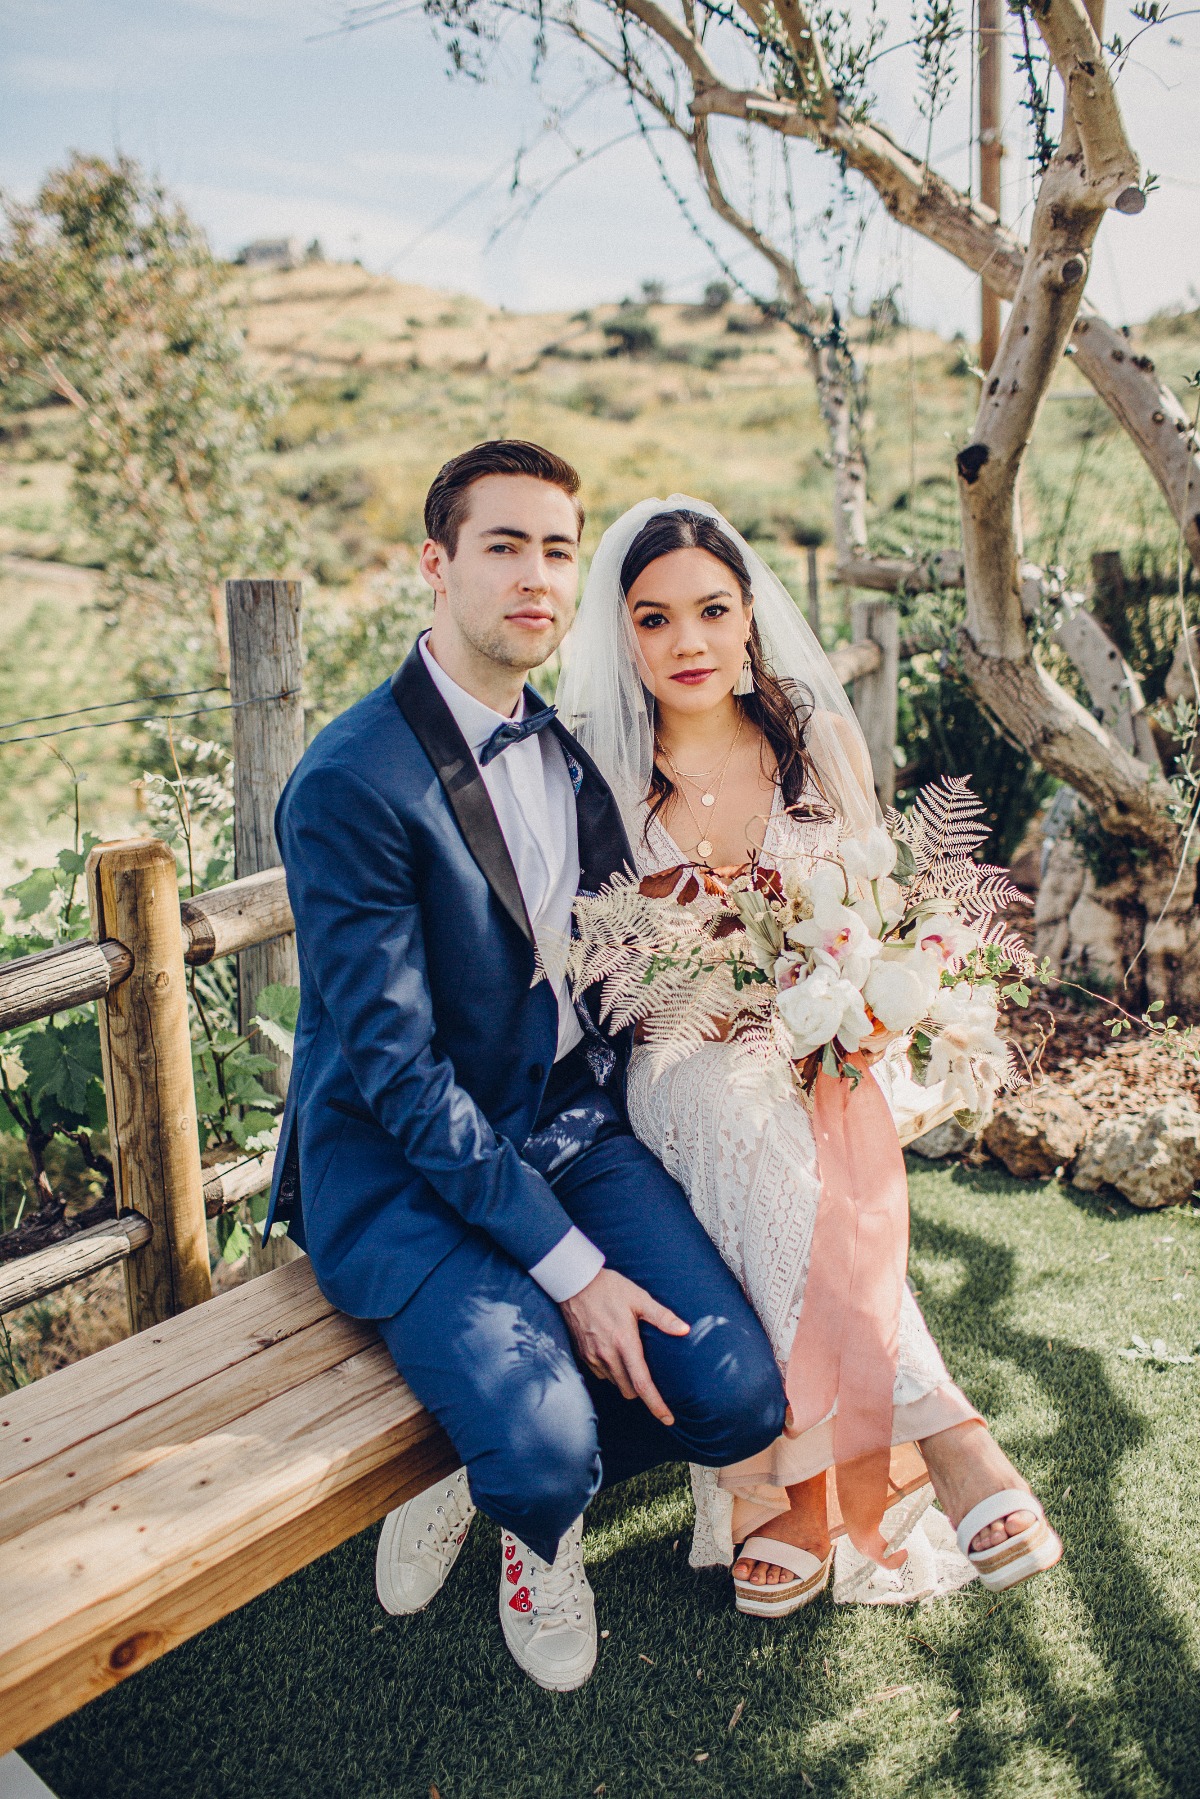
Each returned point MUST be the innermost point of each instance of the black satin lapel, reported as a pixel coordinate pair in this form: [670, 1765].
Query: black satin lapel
[456, 768]
[603, 846]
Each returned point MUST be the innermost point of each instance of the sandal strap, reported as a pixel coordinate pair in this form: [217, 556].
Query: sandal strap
[991, 1509]
[800, 1562]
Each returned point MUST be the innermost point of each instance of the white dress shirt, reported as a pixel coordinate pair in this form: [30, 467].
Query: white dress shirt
[530, 788]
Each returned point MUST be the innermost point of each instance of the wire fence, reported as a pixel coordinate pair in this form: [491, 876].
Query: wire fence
[137, 718]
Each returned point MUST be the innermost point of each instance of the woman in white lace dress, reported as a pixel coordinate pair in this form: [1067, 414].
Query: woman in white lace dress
[714, 714]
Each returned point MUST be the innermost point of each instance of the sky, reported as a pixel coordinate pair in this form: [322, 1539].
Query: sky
[267, 120]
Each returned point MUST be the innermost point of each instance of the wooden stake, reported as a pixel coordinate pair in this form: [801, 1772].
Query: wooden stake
[266, 661]
[146, 1050]
[991, 150]
[266, 672]
[875, 621]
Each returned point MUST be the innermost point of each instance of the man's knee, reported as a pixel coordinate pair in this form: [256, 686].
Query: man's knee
[542, 1470]
[740, 1407]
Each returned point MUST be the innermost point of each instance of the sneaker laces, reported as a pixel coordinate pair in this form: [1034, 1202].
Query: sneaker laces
[443, 1532]
[557, 1589]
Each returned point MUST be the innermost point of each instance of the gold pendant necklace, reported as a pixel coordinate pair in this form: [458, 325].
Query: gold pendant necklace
[704, 847]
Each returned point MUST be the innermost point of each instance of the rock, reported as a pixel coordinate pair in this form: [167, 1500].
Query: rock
[1059, 888]
[1152, 1158]
[948, 1139]
[1036, 1130]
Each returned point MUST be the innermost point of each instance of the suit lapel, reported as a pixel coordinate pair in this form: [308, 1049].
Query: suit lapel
[603, 846]
[433, 725]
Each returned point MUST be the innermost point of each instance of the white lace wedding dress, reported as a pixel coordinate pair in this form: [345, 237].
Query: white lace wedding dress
[736, 1136]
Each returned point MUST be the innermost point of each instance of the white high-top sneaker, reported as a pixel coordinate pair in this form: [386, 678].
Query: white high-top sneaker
[420, 1543]
[548, 1613]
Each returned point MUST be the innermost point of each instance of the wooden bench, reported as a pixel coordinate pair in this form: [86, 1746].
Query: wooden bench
[162, 1483]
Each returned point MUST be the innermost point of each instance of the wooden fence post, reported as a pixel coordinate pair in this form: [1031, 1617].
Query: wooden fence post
[266, 659]
[875, 621]
[133, 893]
[266, 673]
[814, 592]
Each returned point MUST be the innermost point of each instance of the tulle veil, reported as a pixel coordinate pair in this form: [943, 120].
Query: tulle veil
[603, 701]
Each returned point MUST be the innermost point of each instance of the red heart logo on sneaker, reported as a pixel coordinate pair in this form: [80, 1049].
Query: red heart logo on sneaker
[510, 1549]
[521, 1602]
[513, 1571]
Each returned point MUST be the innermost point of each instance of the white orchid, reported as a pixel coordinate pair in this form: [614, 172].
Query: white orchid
[821, 1007]
[835, 934]
[869, 858]
[966, 1051]
[883, 908]
[945, 937]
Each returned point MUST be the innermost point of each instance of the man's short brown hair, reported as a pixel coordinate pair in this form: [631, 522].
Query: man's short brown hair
[447, 502]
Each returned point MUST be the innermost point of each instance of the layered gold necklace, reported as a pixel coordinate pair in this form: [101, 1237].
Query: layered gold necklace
[710, 794]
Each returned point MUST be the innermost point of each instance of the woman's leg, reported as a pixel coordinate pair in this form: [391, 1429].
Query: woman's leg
[805, 1525]
[966, 1464]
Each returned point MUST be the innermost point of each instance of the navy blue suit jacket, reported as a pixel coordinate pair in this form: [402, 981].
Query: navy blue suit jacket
[422, 1049]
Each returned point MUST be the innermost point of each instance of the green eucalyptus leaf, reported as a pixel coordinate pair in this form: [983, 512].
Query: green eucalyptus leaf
[906, 866]
[233, 1239]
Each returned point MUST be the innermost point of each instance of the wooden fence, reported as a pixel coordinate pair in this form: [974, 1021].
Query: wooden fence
[135, 968]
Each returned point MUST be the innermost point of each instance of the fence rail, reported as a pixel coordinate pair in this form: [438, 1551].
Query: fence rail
[221, 922]
[33, 1277]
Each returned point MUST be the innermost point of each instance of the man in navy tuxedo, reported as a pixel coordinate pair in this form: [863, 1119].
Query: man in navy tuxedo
[455, 1154]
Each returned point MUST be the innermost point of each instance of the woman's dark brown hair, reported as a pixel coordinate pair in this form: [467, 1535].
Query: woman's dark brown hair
[780, 708]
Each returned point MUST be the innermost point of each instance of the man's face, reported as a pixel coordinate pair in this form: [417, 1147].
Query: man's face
[509, 589]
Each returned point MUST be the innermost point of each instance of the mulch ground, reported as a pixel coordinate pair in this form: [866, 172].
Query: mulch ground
[1072, 1045]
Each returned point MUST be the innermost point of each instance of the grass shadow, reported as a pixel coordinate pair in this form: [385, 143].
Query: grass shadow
[1156, 1724]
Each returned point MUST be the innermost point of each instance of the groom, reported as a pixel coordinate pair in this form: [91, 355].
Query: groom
[455, 1154]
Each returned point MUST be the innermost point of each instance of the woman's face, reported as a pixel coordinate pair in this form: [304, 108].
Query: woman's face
[691, 629]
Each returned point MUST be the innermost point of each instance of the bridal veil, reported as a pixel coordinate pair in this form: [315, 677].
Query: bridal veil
[604, 702]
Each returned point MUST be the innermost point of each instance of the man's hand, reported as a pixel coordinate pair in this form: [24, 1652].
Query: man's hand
[603, 1321]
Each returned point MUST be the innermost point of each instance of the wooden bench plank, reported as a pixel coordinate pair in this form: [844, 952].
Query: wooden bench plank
[117, 1384]
[97, 1592]
[72, 1475]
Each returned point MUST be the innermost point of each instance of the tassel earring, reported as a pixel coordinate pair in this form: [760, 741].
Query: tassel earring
[745, 681]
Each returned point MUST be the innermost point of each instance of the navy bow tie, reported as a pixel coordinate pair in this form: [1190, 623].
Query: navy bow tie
[510, 733]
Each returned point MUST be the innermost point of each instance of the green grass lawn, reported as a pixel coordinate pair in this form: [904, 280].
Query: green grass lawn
[1084, 1682]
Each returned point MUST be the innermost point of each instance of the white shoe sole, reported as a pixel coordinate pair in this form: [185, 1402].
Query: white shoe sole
[761, 1601]
[1018, 1560]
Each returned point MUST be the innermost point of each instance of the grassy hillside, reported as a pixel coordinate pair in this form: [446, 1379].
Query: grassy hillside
[383, 381]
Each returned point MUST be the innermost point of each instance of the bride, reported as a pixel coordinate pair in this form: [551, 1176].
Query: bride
[708, 704]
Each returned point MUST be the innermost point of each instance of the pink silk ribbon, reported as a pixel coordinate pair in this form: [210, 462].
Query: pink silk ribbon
[847, 1341]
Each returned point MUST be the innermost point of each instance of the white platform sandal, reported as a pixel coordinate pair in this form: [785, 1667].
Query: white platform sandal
[812, 1577]
[1008, 1564]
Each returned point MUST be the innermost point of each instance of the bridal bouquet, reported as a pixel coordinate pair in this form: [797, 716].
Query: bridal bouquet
[896, 937]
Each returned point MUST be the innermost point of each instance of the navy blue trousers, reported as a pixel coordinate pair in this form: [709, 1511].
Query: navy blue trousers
[489, 1355]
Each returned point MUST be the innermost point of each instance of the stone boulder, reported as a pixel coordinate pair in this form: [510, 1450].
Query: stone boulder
[1035, 1130]
[1152, 1158]
[948, 1139]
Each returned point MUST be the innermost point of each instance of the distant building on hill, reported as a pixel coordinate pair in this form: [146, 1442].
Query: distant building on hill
[269, 253]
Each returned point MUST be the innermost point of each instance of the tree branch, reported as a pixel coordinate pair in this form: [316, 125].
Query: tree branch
[799, 302]
[920, 199]
[1128, 796]
[669, 31]
[1078, 55]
